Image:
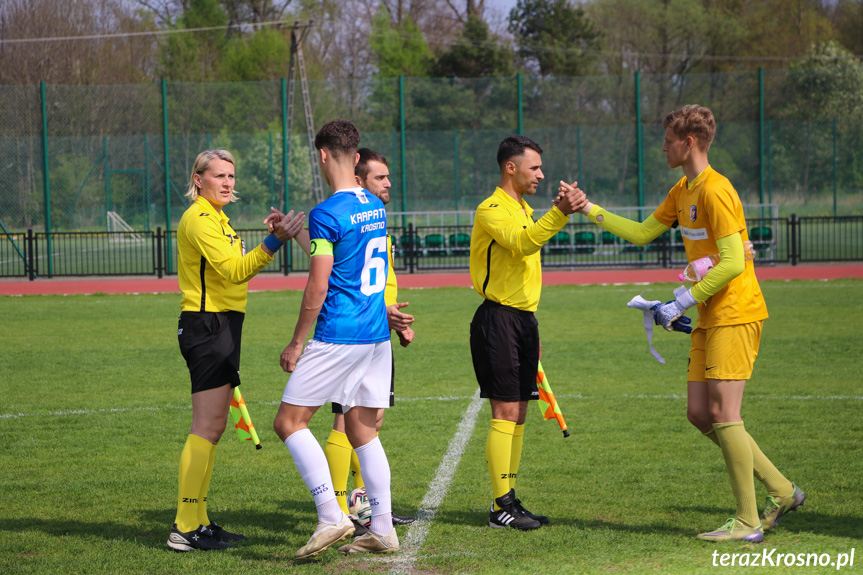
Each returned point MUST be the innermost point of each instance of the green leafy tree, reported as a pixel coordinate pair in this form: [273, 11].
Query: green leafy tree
[476, 53]
[783, 28]
[196, 56]
[554, 36]
[263, 55]
[830, 81]
[848, 20]
[400, 48]
[828, 90]
[667, 37]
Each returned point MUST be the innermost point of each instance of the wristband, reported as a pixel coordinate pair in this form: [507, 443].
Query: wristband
[684, 297]
[273, 243]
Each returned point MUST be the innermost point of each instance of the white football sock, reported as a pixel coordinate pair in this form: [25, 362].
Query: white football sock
[312, 465]
[376, 474]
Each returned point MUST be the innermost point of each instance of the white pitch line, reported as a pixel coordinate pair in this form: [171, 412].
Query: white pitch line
[404, 561]
[187, 407]
[671, 396]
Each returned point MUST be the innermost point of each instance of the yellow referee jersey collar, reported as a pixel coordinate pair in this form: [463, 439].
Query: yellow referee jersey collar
[207, 207]
[504, 197]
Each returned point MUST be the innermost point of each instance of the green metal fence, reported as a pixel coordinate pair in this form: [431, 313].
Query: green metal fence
[71, 154]
[427, 245]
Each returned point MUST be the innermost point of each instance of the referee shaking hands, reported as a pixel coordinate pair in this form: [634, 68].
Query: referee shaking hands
[214, 269]
[505, 270]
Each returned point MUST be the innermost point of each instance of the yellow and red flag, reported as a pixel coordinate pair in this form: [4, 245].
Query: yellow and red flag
[242, 419]
[547, 402]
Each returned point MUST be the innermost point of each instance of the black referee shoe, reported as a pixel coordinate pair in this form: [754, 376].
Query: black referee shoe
[201, 539]
[541, 518]
[509, 515]
[219, 534]
[402, 520]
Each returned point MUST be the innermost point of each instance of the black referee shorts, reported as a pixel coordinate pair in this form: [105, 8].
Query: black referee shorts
[210, 344]
[337, 407]
[504, 345]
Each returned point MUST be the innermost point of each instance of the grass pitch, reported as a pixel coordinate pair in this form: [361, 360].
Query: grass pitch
[95, 409]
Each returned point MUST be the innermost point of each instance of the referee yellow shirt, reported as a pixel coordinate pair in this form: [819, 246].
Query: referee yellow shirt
[391, 291]
[505, 264]
[213, 266]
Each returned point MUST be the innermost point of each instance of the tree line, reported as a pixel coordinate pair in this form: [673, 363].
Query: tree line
[136, 41]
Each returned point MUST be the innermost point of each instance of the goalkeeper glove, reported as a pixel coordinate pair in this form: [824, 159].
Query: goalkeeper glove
[669, 315]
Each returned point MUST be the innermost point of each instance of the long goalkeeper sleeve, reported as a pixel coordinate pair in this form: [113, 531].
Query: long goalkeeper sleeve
[634, 232]
[732, 262]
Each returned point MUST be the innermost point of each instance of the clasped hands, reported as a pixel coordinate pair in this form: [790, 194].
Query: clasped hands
[285, 226]
[570, 198]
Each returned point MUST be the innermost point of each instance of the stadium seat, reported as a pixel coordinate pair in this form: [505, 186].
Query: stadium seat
[434, 245]
[405, 241]
[459, 244]
[607, 238]
[585, 242]
[559, 242]
[762, 240]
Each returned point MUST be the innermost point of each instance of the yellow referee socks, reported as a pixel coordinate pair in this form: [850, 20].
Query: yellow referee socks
[355, 471]
[515, 453]
[338, 452]
[203, 518]
[776, 484]
[734, 442]
[498, 451]
[193, 467]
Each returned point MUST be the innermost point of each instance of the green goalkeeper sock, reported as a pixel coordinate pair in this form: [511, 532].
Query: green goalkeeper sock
[737, 452]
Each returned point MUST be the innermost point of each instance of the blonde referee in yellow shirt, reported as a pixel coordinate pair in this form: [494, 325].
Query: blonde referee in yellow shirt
[505, 270]
[731, 311]
[213, 270]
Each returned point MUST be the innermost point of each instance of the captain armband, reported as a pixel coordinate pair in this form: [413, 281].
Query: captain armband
[321, 247]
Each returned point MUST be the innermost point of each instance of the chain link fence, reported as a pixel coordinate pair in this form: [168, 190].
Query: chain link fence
[789, 137]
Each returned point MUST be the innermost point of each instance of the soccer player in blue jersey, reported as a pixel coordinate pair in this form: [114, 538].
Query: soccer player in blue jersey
[349, 359]
[373, 174]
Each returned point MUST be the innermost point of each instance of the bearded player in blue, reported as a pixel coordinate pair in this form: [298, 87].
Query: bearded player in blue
[349, 360]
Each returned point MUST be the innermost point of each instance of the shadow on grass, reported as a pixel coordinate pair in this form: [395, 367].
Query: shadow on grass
[292, 521]
[480, 518]
[800, 521]
[797, 522]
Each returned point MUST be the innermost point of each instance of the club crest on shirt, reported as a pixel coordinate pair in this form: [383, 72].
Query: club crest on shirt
[361, 196]
[693, 213]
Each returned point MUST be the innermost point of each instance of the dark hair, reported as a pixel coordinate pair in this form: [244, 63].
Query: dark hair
[366, 156]
[692, 120]
[513, 146]
[339, 137]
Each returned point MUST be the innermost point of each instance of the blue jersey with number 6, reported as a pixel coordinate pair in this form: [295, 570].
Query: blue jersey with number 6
[355, 222]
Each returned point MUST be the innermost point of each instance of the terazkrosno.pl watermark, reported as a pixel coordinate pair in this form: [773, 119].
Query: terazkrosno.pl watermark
[775, 558]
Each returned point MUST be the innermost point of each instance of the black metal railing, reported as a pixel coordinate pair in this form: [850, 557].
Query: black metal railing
[424, 248]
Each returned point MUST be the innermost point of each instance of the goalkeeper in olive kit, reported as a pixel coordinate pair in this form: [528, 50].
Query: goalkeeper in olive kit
[731, 312]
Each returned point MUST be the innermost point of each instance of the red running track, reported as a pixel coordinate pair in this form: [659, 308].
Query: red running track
[424, 280]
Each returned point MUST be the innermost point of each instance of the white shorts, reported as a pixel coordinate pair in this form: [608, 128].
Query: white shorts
[352, 375]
